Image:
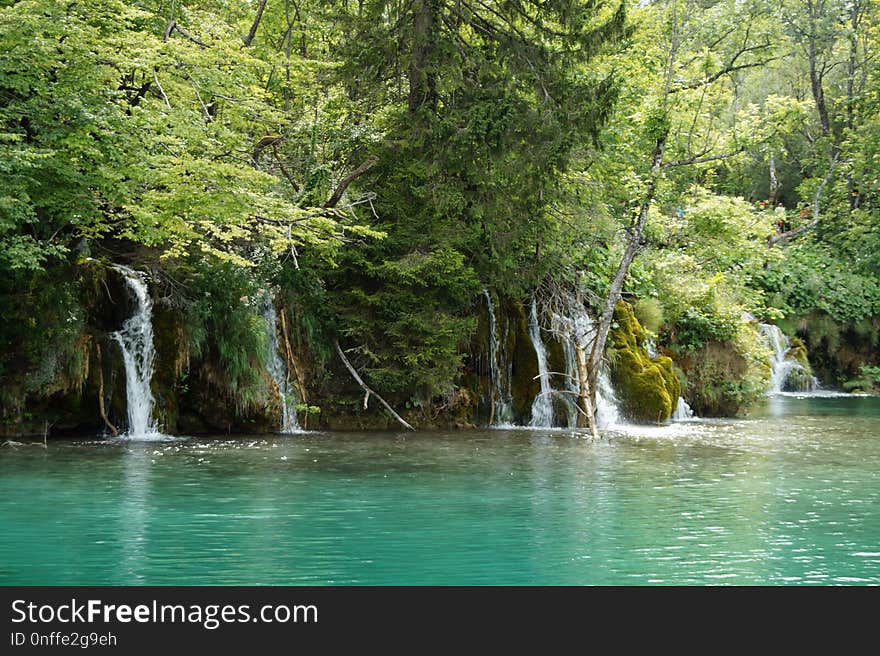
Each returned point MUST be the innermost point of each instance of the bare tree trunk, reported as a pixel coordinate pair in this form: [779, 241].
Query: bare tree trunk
[587, 415]
[633, 246]
[774, 182]
[101, 407]
[817, 75]
[855, 18]
[293, 360]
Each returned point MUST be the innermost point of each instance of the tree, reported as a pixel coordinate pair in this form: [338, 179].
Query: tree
[480, 105]
[689, 68]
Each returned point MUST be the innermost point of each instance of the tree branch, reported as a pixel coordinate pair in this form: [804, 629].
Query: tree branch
[703, 160]
[367, 390]
[724, 71]
[347, 180]
[269, 140]
[174, 27]
[791, 234]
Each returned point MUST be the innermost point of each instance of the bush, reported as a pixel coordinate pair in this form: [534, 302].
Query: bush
[649, 313]
[867, 381]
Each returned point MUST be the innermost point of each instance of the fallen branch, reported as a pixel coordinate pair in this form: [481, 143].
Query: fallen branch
[367, 390]
[13, 444]
[101, 407]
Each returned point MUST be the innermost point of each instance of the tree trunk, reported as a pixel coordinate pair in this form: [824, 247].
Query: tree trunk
[774, 183]
[852, 66]
[422, 78]
[586, 416]
[633, 245]
[256, 24]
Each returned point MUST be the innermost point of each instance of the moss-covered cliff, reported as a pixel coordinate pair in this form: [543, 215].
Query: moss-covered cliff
[647, 387]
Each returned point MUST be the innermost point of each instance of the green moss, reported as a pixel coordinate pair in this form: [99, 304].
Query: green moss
[648, 388]
[799, 379]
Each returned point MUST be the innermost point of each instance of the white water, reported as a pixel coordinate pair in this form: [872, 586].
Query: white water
[572, 381]
[278, 370]
[578, 331]
[781, 366]
[607, 413]
[542, 406]
[135, 339]
[683, 411]
[499, 372]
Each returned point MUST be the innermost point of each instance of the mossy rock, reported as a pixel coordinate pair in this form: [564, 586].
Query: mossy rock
[647, 387]
[799, 379]
[721, 381]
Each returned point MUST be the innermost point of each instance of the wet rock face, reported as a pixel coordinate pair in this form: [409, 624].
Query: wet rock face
[647, 387]
[524, 365]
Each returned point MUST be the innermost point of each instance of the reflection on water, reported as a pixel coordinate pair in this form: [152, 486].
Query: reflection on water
[789, 495]
[134, 512]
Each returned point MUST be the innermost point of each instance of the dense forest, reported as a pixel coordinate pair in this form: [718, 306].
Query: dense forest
[437, 212]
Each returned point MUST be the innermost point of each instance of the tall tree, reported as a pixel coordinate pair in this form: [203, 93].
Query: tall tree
[480, 104]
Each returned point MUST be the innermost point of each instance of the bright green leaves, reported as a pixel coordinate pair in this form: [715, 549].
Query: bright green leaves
[111, 131]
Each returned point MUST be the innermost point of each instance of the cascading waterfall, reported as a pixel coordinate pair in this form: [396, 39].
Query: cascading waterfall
[607, 413]
[542, 406]
[135, 339]
[683, 411]
[278, 370]
[578, 331]
[782, 366]
[499, 372]
[572, 385]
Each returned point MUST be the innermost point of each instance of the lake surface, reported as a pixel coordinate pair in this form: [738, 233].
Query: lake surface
[791, 496]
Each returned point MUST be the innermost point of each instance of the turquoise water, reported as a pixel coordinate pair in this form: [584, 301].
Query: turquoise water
[789, 497]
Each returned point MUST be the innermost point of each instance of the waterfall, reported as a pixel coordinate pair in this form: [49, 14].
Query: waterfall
[607, 413]
[572, 378]
[781, 366]
[499, 372]
[578, 331]
[542, 406]
[278, 370]
[135, 339]
[683, 411]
